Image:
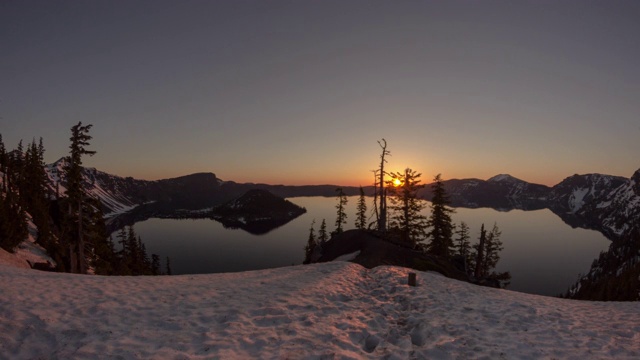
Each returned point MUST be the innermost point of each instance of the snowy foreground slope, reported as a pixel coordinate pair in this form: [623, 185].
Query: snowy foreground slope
[332, 310]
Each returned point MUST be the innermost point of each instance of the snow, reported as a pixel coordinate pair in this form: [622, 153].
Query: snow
[27, 252]
[113, 199]
[10, 259]
[30, 252]
[576, 200]
[332, 310]
[503, 178]
[119, 210]
[348, 257]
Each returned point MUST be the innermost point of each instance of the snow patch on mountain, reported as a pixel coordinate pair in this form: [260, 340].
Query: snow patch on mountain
[623, 209]
[576, 199]
[504, 178]
[348, 257]
[587, 196]
[95, 183]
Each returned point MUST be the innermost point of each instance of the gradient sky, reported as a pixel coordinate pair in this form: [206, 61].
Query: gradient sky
[298, 92]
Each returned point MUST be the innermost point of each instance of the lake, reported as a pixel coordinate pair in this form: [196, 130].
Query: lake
[543, 254]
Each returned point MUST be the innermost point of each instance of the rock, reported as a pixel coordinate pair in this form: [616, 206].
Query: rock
[257, 211]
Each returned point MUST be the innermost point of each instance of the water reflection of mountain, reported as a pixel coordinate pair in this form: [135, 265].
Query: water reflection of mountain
[600, 202]
[256, 212]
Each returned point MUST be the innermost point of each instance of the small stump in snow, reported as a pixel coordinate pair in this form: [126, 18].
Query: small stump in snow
[412, 279]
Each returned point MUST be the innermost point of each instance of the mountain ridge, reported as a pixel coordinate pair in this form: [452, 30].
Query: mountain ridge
[588, 200]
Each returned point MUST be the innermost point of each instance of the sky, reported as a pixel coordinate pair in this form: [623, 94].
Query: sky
[299, 92]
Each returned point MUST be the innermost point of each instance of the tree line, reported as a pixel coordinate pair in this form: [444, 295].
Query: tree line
[70, 227]
[397, 216]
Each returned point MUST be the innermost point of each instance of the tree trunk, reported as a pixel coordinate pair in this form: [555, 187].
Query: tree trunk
[82, 263]
[375, 198]
[382, 223]
[73, 261]
[480, 256]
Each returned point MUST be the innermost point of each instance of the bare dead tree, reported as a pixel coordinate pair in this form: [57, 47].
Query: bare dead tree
[382, 218]
[374, 211]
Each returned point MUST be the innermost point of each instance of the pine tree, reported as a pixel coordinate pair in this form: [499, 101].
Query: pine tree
[76, 196]
[133, 258]
[155, 264]
[104, 259]
[493, 246]
[3, 161]
[406, 217]
[13, 220]
[341, 217]
[361, 215]
[81, 230]
[463, 245]
[322, 233]
[487, 255]
[144, 257]
[479, 254]
[13, 223]
[98, 243]
[168, 266]
[441, 233]
[311, 245]
[34, 191]
[4, 165]
[122, 240]
[134, 252]
[123, 255]
[16, 158]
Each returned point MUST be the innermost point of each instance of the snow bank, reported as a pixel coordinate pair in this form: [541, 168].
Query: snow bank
[332, 310]
[27, 252]
[9, 259]
[348, 257]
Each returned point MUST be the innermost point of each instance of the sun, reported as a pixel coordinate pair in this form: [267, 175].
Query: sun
[397, 182]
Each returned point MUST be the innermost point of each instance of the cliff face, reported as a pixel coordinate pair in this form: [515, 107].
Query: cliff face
[611, 206]
[608, 204]
[119, 194]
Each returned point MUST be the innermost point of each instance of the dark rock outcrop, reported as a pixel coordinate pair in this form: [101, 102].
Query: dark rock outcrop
[257, 211]
[374, 251]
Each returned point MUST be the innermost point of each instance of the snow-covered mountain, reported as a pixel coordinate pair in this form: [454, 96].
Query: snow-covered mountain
[617, 210]
[502, 192]
[577, 190]
[119, 194]
[114, 192]
[605, 203]
[615, 275]
[506, 178]
[609, 204]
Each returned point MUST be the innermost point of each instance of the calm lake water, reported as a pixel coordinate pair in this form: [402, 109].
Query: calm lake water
[543, 254]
